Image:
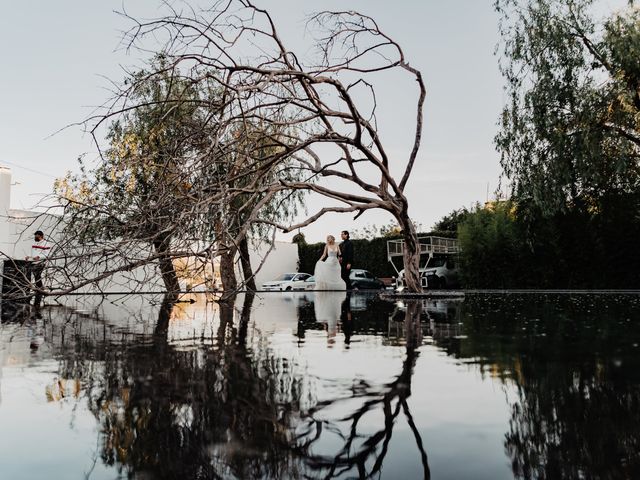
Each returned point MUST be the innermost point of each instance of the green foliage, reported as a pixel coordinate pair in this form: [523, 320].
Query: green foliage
[299, 238]
[517, 246]
[492, 246]
[389, 230]
[450, 222]
[569, 140]
[570, 133]
[144, 178]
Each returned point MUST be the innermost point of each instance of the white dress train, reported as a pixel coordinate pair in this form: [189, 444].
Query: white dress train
[327, 273]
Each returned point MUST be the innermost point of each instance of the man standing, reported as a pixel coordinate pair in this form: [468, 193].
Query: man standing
[39, 253]
[346, 258]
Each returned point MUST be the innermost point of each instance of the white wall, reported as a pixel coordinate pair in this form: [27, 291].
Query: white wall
[282, 259]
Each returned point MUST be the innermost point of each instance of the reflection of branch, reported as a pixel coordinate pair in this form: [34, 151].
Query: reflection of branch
[375, 447]
[414, 429]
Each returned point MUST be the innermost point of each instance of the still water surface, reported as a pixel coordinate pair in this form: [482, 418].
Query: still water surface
[322, 385]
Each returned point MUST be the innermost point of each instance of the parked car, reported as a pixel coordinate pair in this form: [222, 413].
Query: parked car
[362, 279]
[287, 282]
[441, 272]
[310, 283]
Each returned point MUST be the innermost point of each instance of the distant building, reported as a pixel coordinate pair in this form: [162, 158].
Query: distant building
[17, 226]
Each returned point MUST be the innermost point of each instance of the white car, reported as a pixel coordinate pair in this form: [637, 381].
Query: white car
[441, 272]
[286, 282]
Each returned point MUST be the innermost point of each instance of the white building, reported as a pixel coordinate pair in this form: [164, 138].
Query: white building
[18, 226]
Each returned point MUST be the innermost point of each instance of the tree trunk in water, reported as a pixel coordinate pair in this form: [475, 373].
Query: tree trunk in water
[245, 316]
[164, 315]
[245, 261]
[411, 255]
[167, 270]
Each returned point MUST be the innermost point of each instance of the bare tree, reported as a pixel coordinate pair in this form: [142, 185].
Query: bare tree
[236, 128]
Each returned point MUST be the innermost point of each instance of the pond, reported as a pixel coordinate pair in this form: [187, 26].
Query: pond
[322, 385]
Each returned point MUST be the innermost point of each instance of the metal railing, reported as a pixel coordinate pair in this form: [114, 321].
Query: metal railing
[428, 245]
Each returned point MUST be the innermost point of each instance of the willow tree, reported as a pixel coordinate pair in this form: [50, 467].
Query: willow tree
[244, 170]
[327, 107]
[179, 184]
[570, 132]
[136, 206]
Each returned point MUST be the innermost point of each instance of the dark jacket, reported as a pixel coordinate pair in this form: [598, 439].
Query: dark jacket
[346, 251]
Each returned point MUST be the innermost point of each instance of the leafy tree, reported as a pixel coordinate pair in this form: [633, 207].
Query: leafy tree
[491, 247]
[140, 192]
[450, 222]
[570, 133]
[388, 230]
[299, 238]
[178, 178]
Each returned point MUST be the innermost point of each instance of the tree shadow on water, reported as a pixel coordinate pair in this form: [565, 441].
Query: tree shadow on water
[232, 408]
[364, 454]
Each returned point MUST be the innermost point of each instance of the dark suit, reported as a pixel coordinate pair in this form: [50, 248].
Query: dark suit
[346, 254]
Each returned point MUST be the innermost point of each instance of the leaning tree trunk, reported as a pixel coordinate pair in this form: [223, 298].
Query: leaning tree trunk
[411, 255]
[167, 270]
[245, 261]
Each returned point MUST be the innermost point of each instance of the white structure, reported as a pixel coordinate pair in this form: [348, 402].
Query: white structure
[283, 258]
[18, 226]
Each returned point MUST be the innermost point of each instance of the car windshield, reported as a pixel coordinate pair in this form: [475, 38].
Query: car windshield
[285, 277]
[436, 262]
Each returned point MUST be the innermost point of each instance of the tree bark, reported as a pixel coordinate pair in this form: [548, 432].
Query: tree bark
[227, 257]
[227, 271]
[411, 254]
[167, 270]
[245, 261]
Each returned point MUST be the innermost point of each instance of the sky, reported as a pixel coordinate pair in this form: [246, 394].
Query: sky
[58, 59]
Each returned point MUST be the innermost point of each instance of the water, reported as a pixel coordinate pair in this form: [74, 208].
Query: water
[322, 386]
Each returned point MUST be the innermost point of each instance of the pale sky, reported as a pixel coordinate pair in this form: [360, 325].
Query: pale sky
[57, 57]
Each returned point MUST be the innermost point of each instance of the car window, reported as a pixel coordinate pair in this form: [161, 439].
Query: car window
[285, 277]
[303, 276]
[367, 275]
[359, 275]
[436, 262]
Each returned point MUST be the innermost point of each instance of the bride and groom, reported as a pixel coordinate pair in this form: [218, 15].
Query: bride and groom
[333, 269]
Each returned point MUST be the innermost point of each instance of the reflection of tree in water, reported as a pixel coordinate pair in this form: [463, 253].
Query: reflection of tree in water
[362, 455]
[234, 410]
[198, 413]
[577, 374]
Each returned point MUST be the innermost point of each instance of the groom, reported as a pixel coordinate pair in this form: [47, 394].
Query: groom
[346, 258]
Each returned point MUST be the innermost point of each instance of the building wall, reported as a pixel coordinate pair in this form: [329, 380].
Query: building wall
[282, 259]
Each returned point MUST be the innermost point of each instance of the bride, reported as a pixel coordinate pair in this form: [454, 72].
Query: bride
[327, 273]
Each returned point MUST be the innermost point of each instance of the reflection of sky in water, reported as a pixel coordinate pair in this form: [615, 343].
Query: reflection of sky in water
[475, 386]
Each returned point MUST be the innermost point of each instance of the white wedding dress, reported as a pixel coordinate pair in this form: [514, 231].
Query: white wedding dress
[327, 273]
[328, 308]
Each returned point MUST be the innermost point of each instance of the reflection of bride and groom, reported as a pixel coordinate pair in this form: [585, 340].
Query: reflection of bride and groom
[332, 280]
